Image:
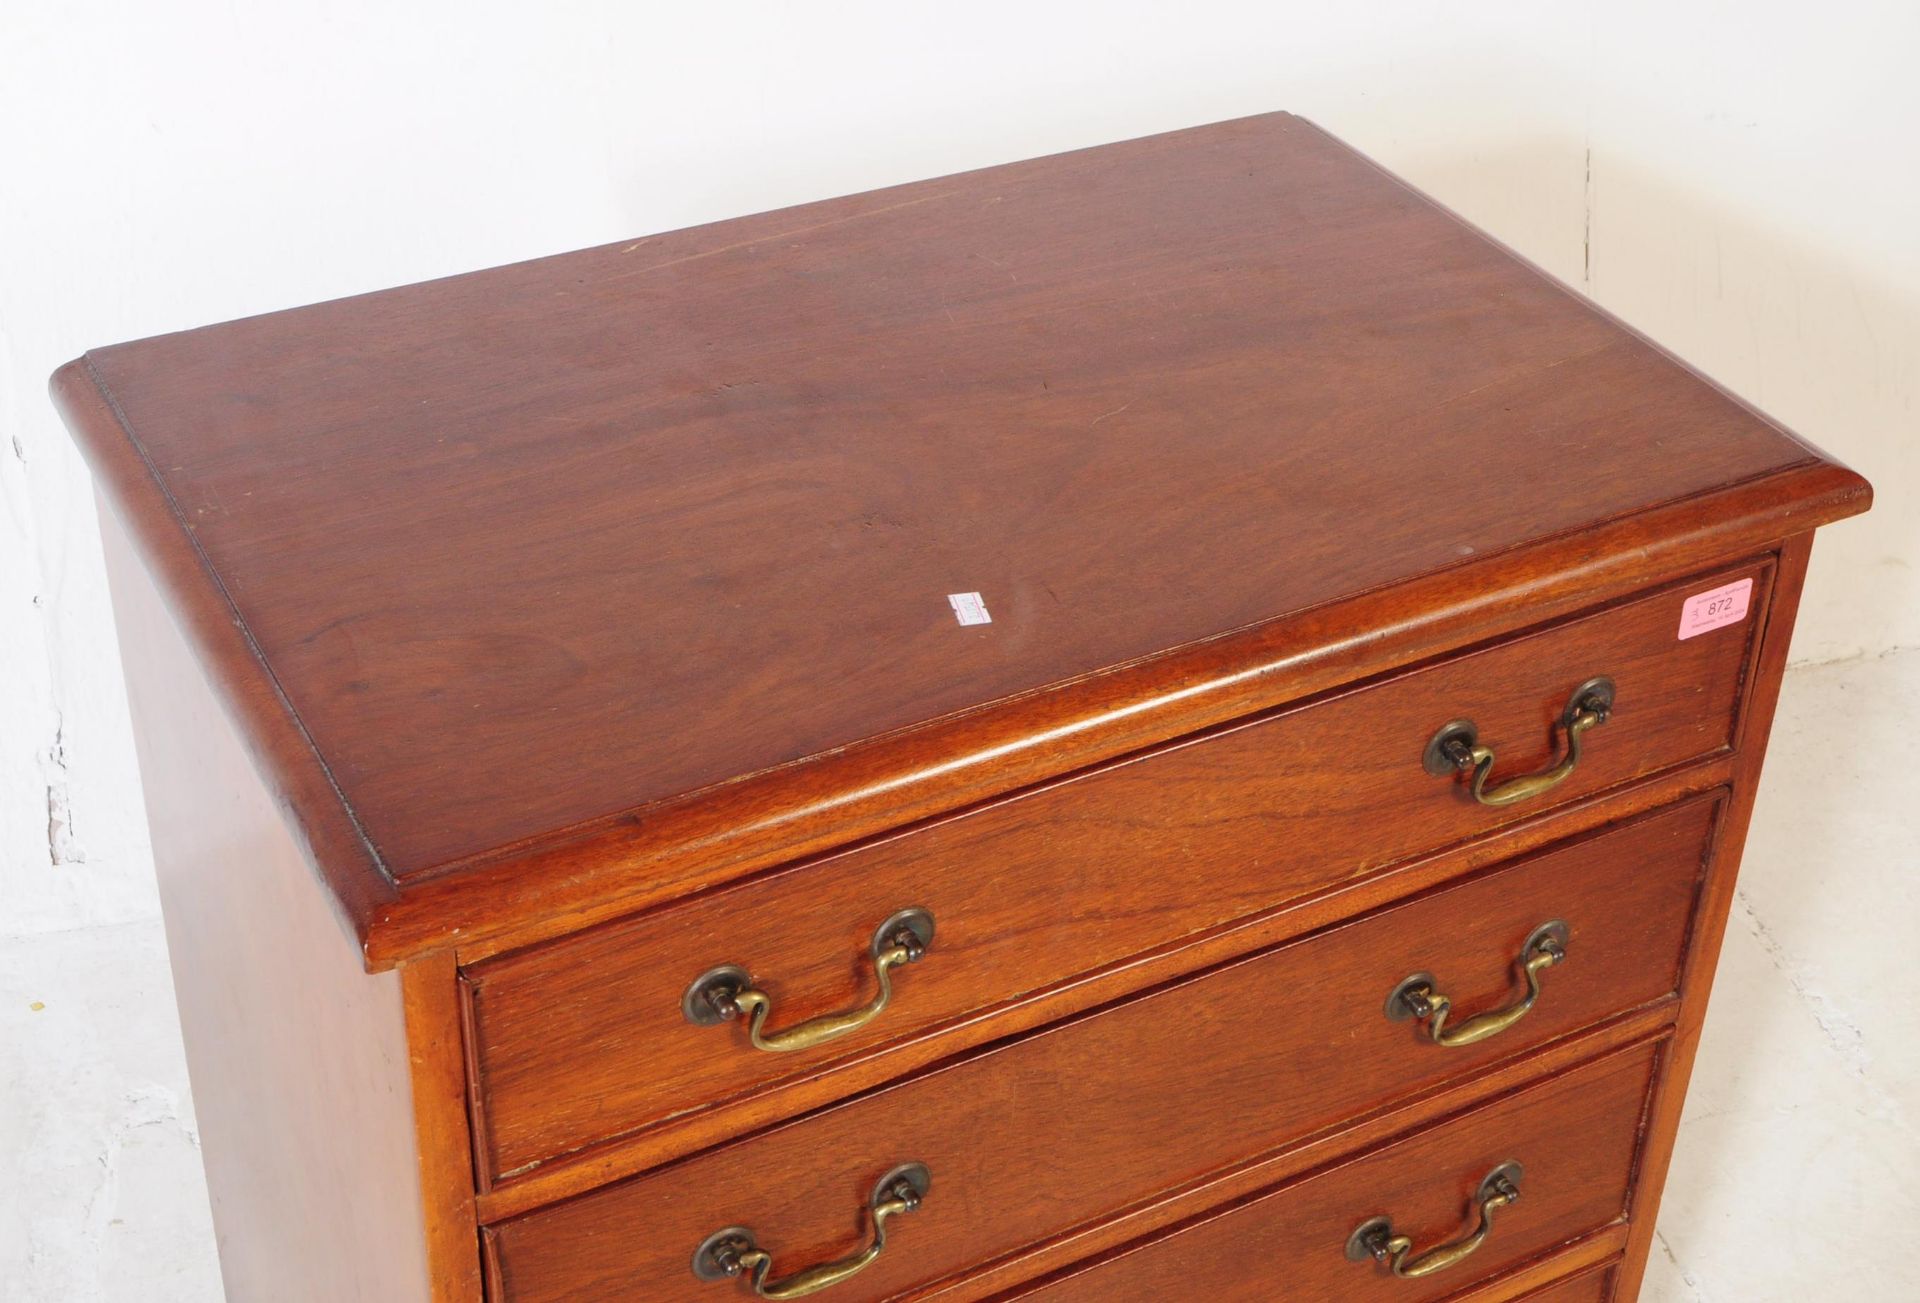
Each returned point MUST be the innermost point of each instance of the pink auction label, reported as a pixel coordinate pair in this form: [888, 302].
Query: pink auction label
[1715, 608]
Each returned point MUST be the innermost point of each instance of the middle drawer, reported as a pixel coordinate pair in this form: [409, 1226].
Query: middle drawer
[1080, 1121]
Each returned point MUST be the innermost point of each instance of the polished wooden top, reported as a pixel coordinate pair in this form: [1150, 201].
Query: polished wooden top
[521, 559]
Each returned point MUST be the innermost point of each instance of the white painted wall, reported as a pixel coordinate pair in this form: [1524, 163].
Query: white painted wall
[1737, 179]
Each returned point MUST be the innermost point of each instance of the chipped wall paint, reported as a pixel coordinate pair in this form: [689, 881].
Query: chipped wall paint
[1723, 175]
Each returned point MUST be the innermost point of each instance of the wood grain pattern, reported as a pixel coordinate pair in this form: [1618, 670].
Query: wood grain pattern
[299, 1059]
[436, 1046]
[1350, 1137]
[1106, 1111]
[845, 1077]
[1076, 385]
[1579, 1274]
[1716, 903]
[1588, 1287]
[1592, 1284]
[581, 1041]
[1577, 1137]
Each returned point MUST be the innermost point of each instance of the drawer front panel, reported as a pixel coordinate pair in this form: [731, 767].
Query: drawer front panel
[1079, 1121]
[1590, 1287]
[1575, 1139]
[584, 1040]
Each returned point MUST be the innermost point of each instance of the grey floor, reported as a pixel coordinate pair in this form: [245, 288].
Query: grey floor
[1798, 1175]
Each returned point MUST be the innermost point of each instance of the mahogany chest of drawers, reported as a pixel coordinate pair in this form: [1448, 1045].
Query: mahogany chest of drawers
[1166, 722]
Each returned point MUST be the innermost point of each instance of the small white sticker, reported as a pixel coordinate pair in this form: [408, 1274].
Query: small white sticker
[968, 608]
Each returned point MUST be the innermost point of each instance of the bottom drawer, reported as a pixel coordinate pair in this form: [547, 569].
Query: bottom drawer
[1434, 1200]
[1595, 1286]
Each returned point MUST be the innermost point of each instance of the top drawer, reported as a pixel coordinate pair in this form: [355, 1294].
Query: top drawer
[586, 1039]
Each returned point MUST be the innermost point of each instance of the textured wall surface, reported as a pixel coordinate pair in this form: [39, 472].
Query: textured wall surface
[1731, 178]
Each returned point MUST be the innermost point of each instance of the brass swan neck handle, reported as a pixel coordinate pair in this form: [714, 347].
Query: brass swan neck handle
[733, 1253]
[1418, 996]
[1376, 1238]
[727, 992]
[1456, 748]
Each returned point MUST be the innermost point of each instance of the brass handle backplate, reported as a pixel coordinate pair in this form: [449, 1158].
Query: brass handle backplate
[733, 1252]
[1456, 748]
[1375, 1237]
[1417, 996]
[726, 992]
